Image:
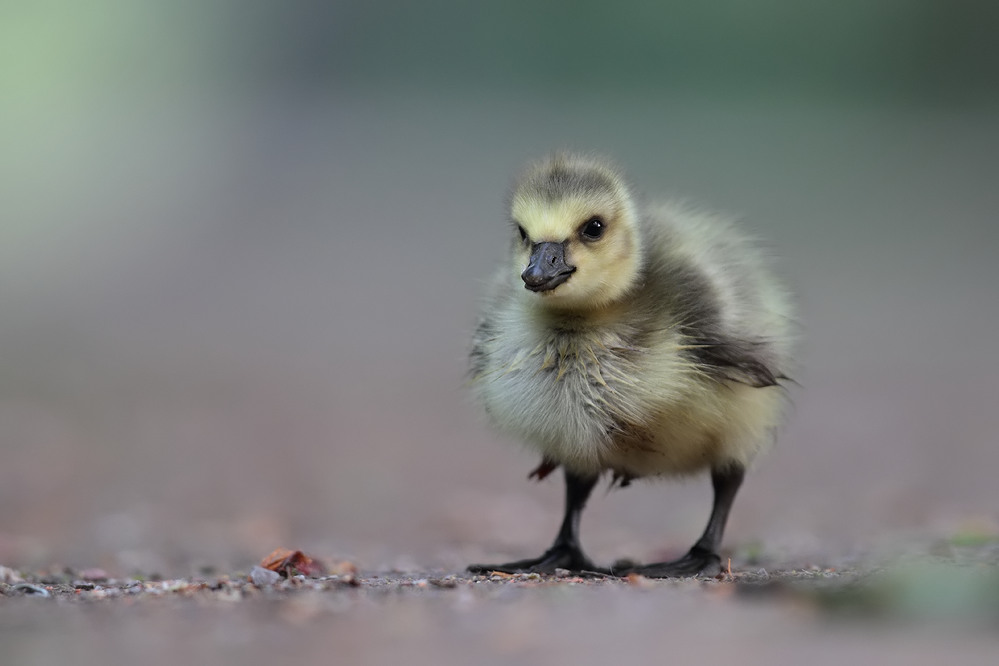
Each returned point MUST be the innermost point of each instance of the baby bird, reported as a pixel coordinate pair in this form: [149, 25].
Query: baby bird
[639, 340]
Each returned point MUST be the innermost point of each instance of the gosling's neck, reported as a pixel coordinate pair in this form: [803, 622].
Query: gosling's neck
[583, 318]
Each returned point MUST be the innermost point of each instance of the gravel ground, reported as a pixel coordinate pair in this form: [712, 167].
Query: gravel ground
[917, 609]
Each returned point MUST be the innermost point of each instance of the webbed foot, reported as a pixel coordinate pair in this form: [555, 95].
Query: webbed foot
[556, 557]
[697, 562]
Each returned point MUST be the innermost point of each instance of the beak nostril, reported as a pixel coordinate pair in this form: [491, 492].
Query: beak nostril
[546, 268]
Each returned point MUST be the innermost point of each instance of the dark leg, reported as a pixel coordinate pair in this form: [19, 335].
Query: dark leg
[565, 553]
[703, 558]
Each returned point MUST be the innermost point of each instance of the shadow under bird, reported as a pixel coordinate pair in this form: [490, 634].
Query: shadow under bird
[638, 340]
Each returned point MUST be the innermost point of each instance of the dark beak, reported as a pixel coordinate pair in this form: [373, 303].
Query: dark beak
[547, 268]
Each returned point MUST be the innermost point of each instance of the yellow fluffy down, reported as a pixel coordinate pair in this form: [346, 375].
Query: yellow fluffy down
[659, 355]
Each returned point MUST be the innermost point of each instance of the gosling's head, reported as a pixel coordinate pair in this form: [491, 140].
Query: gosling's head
[577, 244]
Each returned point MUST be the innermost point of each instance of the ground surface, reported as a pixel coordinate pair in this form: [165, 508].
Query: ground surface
[939, 602]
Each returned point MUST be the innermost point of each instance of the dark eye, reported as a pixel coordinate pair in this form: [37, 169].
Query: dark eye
[593, 228]
[523, 234]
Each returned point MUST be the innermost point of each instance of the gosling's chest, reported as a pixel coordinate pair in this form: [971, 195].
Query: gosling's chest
[564, 389]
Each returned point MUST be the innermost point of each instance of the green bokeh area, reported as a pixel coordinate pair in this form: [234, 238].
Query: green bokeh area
[892, 48]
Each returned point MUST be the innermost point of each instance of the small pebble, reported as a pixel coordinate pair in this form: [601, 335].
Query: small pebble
[262, 577]
[447, 583]
[8, 575]
[30, 589]
[94, 575]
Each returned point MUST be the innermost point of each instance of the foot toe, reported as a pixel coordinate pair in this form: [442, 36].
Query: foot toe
[697, 562]
[555, 558]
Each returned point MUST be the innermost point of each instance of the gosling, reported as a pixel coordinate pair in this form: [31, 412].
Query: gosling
[629, 339]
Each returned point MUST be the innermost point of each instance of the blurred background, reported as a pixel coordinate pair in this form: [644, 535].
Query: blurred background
[242, 245]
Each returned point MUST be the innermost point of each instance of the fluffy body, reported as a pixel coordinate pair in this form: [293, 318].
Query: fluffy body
[660, 355]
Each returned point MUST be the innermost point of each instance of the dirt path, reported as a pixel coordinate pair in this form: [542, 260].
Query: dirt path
[916, 610]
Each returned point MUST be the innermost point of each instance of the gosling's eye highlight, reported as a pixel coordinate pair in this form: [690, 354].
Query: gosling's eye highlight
[523, 234]
[593, 229]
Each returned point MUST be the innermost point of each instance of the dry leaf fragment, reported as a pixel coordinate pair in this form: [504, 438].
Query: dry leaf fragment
[638, 580]
[292, 562]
